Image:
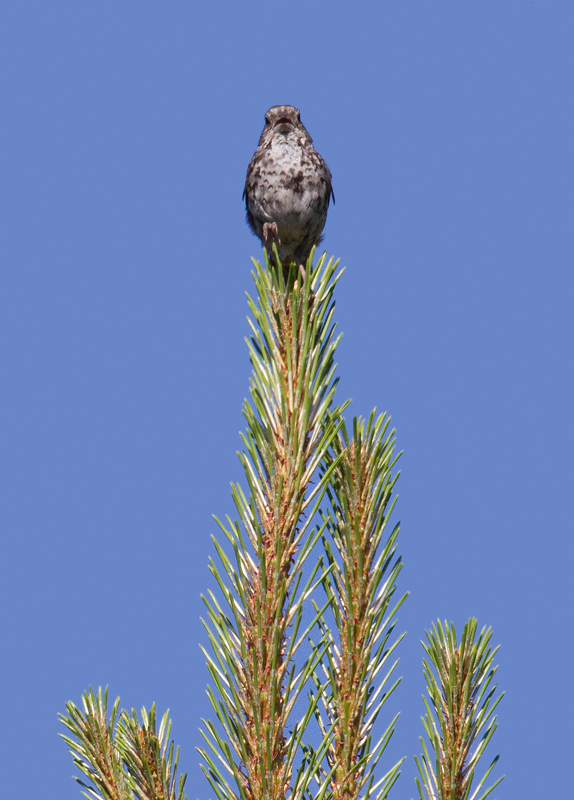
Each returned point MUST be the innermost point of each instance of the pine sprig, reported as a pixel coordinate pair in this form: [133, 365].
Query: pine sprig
[255, 633]
[361, 586]
[94, 747]
[124, 759]
[149, 756]
[459, 720]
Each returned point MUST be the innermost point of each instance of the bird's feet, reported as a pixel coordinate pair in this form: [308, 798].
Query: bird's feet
[270, 235]
[270, 239]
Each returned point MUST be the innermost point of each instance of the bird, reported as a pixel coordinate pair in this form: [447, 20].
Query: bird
[287, 189]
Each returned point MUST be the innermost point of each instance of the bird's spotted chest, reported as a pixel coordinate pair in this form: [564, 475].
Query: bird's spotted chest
[288, 187]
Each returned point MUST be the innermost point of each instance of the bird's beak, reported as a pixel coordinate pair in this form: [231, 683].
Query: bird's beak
[283, 125]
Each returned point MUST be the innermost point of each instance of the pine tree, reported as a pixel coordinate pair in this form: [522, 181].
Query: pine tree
[301, 627]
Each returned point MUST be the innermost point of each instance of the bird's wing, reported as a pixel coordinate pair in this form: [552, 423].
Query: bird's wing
[257, 156]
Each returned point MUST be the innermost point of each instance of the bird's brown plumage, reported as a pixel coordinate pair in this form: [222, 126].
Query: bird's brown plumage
[288, 187]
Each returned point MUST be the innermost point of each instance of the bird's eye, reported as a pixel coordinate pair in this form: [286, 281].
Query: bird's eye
[267, 121]
[298, 116]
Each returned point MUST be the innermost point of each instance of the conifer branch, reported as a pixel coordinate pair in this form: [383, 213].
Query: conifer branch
[124, 759]
[361, 586]
[94, 747]
[255, 634]
[149, 756]
[459, 720]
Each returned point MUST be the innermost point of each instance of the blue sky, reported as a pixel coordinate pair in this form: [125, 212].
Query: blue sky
[127, 129]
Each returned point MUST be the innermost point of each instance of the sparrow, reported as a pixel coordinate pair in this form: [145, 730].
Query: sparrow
[288, 188]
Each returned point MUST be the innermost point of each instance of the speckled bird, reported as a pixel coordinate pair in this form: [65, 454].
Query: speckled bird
[288, 187]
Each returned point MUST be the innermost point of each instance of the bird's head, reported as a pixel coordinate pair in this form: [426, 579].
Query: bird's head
[283, 120]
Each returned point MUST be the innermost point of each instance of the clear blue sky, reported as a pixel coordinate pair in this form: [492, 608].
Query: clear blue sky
[127, 129]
